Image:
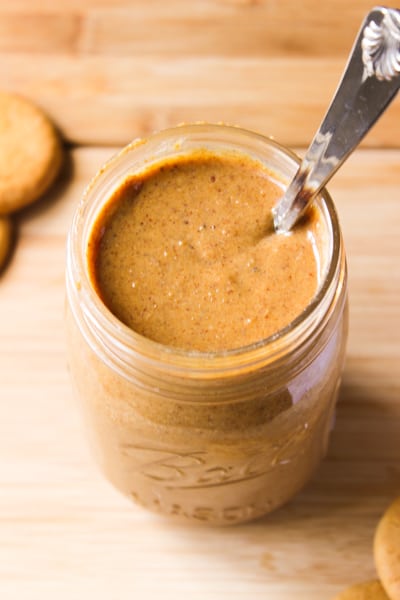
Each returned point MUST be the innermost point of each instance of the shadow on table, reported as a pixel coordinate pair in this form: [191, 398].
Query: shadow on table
[55, 192]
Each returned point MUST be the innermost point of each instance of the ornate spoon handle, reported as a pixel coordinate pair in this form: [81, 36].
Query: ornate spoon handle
[370, 81]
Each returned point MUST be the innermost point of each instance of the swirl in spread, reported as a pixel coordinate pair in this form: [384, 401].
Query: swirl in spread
[185, 254]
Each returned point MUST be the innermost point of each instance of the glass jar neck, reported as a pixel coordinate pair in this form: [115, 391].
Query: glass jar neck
[130, 354]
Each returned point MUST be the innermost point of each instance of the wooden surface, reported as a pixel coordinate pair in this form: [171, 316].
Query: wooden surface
[108, 71]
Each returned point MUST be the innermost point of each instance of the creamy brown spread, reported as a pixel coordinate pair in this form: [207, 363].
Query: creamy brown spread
[185, 253]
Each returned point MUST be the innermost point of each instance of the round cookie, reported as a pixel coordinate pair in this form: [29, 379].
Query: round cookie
[5, 239]
[387, 550]
[30, 153]
[369, 590]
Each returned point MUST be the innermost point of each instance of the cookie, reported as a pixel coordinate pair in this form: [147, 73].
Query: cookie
[5, 240]
[387, 550]
[369, 590]
[30, 153]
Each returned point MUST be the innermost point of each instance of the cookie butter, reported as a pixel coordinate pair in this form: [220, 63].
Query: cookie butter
[186, 255]
[205, 350]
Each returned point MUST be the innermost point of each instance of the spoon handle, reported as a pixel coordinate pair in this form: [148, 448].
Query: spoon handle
[370, 81]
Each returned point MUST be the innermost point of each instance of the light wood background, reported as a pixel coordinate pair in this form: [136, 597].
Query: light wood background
[108, 71]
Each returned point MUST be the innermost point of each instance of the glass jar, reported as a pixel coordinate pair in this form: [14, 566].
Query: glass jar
[219, 437]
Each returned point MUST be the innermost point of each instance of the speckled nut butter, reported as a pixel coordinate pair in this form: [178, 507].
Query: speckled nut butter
[205, 349]
[186, 254]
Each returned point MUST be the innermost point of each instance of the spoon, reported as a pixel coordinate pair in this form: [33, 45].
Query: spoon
[369, 83]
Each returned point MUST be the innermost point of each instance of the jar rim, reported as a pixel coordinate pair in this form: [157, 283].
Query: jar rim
[98, 318]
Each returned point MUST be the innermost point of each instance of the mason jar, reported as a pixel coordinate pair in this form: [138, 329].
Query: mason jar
[220, 437]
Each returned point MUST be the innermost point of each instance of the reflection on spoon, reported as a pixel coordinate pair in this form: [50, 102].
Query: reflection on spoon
[369, 83]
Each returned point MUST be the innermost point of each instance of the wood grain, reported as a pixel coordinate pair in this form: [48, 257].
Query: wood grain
[136, 67]
[217, 27]
[111, 70]
[65, 532]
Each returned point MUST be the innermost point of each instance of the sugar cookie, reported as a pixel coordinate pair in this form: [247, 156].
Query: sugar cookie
[30, 153]
[369, 590]
[5, 239]
[387, 550]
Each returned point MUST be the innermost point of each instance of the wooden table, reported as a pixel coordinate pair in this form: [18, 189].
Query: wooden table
[107, 71]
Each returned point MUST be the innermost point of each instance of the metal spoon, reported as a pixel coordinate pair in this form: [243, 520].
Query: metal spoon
[370, 81]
